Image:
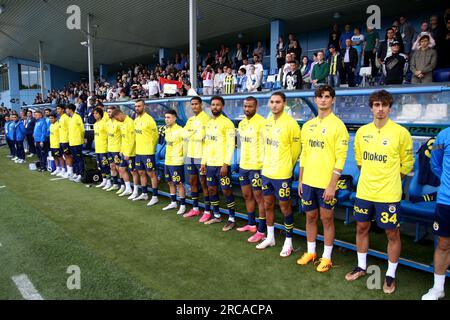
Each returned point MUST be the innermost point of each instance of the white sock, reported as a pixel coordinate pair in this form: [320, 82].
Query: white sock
[327, 250]
[69, 170]
[311, 247]
[136, 189]
[128, 185]
[196, 208]
[173, 203]
[271, 232]
[232, 219]
[288, 242]
[439, 282]
[392, 267]
[362, 260]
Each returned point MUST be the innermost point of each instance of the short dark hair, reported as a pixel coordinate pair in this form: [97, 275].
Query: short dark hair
[99, 111]
[112, 108]
[197, 98]
[425, 36]
[54, 115]
[252, 98]
[243, 70]
[139, 100]
[324, 88]
[280, 94]
[48, 109]
[61, 106]
[383, 96]
[218, 98]
[172, 112]
[71, 107]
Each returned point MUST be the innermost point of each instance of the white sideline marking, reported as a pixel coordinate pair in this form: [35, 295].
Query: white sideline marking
[56, 179]
[26, 288]
[1, 187]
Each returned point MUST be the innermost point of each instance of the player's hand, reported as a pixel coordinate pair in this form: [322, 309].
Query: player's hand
[300, 189]
[203, 169]
[224, 170]
[127, 158]
[329, 193]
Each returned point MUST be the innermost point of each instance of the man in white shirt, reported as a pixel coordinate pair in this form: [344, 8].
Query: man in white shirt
[259, 70]
[190, 91]
[152, 87]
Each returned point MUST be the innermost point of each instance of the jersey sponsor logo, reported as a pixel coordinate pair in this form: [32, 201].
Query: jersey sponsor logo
[316, 144]
[436, 226]
[392, 208]
[256, 175]
[307, 203]
[361, 210]
[385, 142]
[374, 157]
[138, 131]
[246, 139]
[169, 143]
[324, 130]
[272, 142]
[284, 185]
[211, 137]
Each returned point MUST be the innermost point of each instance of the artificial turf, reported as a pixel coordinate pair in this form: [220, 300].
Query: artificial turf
[126, 250]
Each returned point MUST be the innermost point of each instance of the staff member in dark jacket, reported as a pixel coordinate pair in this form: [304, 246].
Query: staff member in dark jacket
[395, 66]
[29, 129]
[350, 62]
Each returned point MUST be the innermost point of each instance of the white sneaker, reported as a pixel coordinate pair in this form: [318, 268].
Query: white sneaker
[172, 205]
[14, 159]
[101, 185]
[22, 161]
[54, 173]
[61, 174]
[78, 179]
[127, 192]
[133, 196]
[113, 188]
[182, 210]
[74, 177]
[30, 155]
[107, 185]
[17, 160]
[122, 189]
[143, 196]
[433, 294]
[265, 244]
[286, 251]
[153, 201]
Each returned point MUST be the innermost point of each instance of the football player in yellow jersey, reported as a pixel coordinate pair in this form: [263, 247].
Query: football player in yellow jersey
[64, 141]
[174, 162]
[76, 141]
[114, 145]
[127, 154]
[324, 150]
[55, 147]
[383, 152]
[281, 151]
[251, 139]
[194, 140]
[146, 141]
[101, 147]
[216, 161]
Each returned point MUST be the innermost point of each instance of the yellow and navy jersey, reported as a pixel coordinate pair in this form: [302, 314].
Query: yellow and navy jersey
[76, 130]
[64, 128]
[194, 135]
[114, 135]
[281, 147]
[219, 142]
[251, 138]
[383, 155]
[101, 136]
[324, 148]
[174, 146]
[54, 135]
[146, 135]
[128, 142]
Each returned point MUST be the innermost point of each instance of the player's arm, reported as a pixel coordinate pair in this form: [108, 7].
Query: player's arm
[406, 153]
[341, 143]
[296, 146]
[230, 136]
[303, 155]
[437, 156]
[131, 139]
[154, 133]
[357, 150]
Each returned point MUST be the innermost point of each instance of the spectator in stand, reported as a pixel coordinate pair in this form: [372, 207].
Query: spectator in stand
[439, 35]
[372, 39]
[241, 85]
[81, 108]
[347, 34]
[281, 52]
[397, 35]
[229, 82]
[209, 59]
[208, 81]
[395, 66]
[245, 64]
[334, 37]
[294, 47]
[285, 69]
[294, 78]
[305, 69]
[407, 33]
[350, 57]
[357, 43]
[259, 51]
[29, 129]
[336, 67]
[424, 30]
[423, 62]
[238, 56]
[446, 47]
[253, 82]
[218, 81]
[152, 87]
[259, 70]
[190, 91]
[384, 50]
[319, 75]
[123, 96]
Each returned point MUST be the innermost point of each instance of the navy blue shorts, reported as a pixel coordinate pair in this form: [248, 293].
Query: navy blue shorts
[130, 164]
[56, 152]
[102, 160]
[193, 166]
[213, 178]
[441, 225]
[250, 177]
[174, 174]
[77, 151]
[145, 162]
[114, 157]
[65, 148]
[280, 188]
[312, 199]
[385, 214]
